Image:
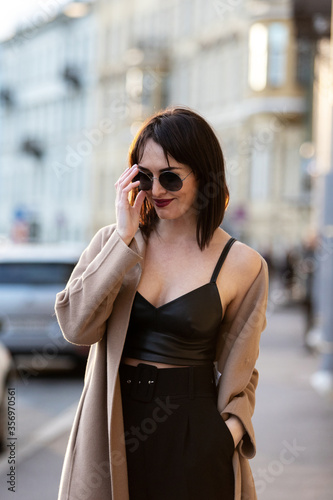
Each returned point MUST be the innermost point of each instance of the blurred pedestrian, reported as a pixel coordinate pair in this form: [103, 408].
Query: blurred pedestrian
[307, 270]
[173, 308]
[289, 276]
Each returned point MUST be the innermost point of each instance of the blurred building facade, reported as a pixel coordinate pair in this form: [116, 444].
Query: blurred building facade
[47, 82]
[237, 63]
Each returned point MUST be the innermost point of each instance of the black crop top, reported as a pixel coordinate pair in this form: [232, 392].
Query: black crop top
[180, 332]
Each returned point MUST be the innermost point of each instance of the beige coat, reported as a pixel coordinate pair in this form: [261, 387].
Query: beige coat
[94, 309]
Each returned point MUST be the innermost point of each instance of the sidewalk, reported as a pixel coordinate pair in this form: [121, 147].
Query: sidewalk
[293, 424]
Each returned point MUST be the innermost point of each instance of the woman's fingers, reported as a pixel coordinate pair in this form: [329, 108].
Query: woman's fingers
[127, 175]
[124, 184]
[128, 216]
[131, 186]
[139, 200]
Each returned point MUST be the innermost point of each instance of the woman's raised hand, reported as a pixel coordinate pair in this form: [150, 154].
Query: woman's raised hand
[128, 216]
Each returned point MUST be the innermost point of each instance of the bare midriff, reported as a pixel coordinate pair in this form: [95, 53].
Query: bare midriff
[135, 362]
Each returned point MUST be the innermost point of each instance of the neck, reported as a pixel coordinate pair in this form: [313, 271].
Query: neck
[176, 231]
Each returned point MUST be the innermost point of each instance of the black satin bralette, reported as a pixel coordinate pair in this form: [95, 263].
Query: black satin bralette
[180, 332]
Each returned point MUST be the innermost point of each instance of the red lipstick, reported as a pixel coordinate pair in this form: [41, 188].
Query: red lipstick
[162, 203]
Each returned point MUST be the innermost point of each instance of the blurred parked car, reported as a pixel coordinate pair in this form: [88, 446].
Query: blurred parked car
[6, 370]
[30, 277]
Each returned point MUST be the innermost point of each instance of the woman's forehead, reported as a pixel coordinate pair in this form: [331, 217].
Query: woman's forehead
[153, 149]
[154, 157]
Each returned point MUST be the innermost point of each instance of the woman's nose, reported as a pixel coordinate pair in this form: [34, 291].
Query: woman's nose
[157, 189]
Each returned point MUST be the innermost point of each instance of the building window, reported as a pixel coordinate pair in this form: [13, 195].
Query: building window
[260, 178]
[258, 46]
[268, 45]
[277, 54]
[304, 68]
[291, 182]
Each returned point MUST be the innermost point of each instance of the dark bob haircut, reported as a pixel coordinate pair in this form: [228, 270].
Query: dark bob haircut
[190, 140]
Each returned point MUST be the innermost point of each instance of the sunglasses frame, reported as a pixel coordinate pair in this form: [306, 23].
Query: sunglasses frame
[151, 178]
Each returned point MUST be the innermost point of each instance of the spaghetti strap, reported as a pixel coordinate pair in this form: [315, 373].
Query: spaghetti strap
[222, 258]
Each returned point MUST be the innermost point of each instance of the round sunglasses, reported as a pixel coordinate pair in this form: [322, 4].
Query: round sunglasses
[168, 180]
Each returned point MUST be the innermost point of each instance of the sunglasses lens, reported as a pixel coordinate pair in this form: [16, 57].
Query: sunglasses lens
[171, 181]
[145, 181]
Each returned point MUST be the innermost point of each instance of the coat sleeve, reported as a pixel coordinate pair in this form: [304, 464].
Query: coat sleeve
[85, 304]
[237, 353]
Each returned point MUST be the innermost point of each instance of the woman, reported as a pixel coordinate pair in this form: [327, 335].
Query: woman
[173, 308]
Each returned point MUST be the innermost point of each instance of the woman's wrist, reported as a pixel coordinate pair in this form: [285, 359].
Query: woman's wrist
[236, 428]
[126, 239]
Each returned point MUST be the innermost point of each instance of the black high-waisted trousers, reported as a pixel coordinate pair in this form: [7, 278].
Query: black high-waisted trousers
[178, 447]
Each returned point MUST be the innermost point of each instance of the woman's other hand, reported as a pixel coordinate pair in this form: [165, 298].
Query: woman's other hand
[236, 428]
[128, 216]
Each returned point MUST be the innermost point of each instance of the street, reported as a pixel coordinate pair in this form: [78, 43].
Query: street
[45, 410]
[294, 425]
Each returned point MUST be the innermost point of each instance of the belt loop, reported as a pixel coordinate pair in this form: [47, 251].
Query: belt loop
[191, 382]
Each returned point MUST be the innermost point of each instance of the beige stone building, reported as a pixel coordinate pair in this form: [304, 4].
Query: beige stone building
[237, 64]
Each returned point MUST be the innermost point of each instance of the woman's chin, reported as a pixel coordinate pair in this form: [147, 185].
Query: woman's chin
[164, 213]
[165, 216]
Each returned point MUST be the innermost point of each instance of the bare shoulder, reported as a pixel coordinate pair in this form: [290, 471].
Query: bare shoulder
[242, 266]
[242, 261]
[245, 261]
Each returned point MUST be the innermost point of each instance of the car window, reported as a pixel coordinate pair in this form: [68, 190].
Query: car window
[35, 273]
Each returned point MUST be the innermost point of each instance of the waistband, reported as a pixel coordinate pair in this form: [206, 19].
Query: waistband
[144, 381]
